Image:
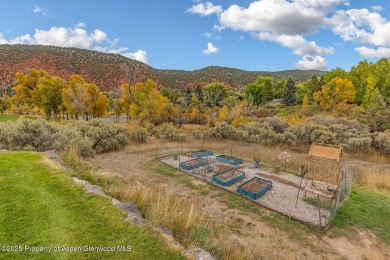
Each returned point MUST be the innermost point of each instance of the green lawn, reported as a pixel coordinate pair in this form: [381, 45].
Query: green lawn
[4, 117]
[366, 209]
[41, 207]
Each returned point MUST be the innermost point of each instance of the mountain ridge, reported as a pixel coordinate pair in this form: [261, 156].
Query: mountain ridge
[108, 70]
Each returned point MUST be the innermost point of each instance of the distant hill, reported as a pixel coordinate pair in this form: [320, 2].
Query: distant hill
[111, 70]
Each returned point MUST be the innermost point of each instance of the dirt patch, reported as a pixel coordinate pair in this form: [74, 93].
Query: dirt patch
[364, 246]
[254, 185]
[278, 179]
[229, 175]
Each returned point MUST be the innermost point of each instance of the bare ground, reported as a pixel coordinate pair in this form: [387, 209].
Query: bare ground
[276, 241]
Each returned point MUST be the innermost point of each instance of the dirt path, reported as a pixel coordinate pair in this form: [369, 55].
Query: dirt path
[274, 241]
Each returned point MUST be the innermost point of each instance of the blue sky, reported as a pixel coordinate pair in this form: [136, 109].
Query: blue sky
[265, 35]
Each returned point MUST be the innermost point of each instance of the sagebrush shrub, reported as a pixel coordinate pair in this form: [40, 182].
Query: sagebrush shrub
[151, 129]
[356, 144]
[105, 137]
[171, 133]
[39, 135]
[381, 141]
[277, 124]
[71, 138]
[322, 136]
[139, 135]
[223, 130]
[32, 135]
[302, 132]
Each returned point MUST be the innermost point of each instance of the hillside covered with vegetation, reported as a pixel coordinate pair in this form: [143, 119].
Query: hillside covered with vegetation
[348, 108]
[108, 71]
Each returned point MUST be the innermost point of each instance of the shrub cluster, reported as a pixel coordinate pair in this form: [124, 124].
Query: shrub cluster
[381, 141]
[72, 139]
[39, 135]
[254, 132]
[350, 134]
[27, 135]
[139, 135]
[169, 132]
[90, 138]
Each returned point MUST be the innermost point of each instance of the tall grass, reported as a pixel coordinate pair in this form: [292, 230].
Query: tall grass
[86, 171]
[178, 214]
[372, 178]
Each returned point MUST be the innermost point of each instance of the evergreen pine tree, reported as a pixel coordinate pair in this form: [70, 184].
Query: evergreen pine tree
[288, 97]
[267, 92]
[187, 97]
[314, 85]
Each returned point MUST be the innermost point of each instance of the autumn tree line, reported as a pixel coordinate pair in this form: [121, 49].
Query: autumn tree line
[363, 93]
[38, 91]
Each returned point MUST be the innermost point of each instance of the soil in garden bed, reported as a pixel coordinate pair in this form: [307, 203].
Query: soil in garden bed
[219, 167]
[230, 158]
[229, 175]
[254, 186]
[194, 162]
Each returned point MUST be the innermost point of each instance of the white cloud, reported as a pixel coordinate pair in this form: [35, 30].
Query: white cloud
[68, 37]
[278, 16]
[76, 37]
[299, 44]
[377, 8]
[309, 62]
[281, 21]
[40, 10]
[380, 52]
[205, 9]
[207, 34]
[212, 36]
[139, 55]
[81, 25]
[2, 39]
[211, 49]
[361, 25]
[218, 28]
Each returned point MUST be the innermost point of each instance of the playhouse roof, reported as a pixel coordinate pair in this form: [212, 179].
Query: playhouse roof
[323, 151]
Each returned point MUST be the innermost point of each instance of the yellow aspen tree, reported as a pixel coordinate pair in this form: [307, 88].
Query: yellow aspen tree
[126, 99]
[337, 91]
[305, 102]
[26, 83]
[222, 114]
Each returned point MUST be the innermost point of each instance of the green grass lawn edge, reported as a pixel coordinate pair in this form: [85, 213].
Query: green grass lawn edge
[42, 207]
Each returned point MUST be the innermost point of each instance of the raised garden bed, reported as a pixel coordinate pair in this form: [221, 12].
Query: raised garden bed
[229, 159]
[201, 153]
[228, 177]
[192, 164]
[222, 167]
[255, 188]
